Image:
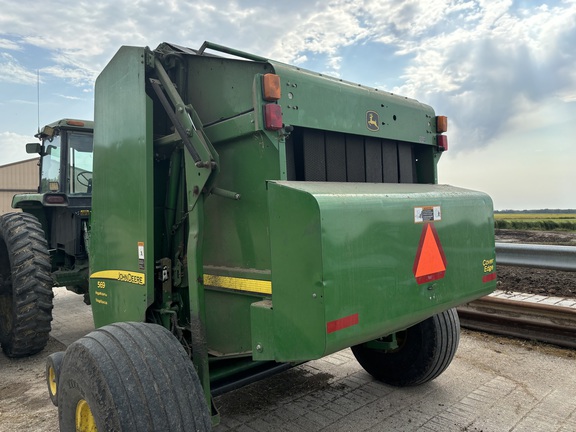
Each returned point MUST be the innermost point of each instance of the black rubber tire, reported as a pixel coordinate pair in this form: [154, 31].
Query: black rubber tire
[134, 377]
[25, 285]
[426, 350]
[53, 367]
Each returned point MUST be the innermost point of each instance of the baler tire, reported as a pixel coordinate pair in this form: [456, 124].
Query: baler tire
[25, 285]
[426, 350]
[53, 367]
[130, 377]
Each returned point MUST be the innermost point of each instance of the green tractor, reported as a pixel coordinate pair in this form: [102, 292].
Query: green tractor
[45, 245]
[249, 216]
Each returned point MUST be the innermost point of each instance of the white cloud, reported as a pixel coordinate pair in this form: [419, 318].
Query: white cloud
[529, 165]
[504, 71]
[500, 64]
[75, 98]
[91, 32]
[479, 61]
[9, 44]
[22, 101]
[13, 147]
[75, 75]
[12, 72]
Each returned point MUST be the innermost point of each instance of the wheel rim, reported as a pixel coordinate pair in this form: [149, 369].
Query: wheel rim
[52, 381]
[84, 419]
[401, 337]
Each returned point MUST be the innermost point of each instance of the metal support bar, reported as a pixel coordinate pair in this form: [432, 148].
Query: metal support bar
[226, 50]
[250, 378]
[225, 193]
[189, 128]
[172, 115]
[195, 263]
[561, 258]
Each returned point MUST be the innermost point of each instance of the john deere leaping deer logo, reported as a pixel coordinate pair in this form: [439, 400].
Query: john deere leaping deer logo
[372, 121]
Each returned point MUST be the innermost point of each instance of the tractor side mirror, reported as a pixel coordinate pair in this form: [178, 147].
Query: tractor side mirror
[33, 148]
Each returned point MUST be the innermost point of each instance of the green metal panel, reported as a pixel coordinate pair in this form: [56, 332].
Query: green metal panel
[297, 281]
[262, 333]
[225, 92]
[28, 201]
[343, 260]
[312, 100]
[228, 322]
[221, 88]
[238, 229]
[122, 242]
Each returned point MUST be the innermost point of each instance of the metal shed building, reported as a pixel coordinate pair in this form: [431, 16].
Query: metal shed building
[16, 178]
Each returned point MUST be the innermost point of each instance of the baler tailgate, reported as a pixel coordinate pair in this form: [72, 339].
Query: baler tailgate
[352, 262]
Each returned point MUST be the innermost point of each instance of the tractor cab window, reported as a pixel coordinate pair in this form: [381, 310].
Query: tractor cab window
[50, 181]
[79, 162]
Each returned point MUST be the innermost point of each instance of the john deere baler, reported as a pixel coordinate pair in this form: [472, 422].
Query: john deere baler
[265, 214]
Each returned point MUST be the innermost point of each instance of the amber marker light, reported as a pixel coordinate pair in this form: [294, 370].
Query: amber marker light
[75, 123]
[441, 124]
[271, 87]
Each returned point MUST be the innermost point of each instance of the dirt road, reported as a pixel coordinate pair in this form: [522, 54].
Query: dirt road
[24, 401]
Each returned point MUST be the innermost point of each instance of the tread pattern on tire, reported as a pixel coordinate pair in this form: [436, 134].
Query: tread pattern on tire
[428, 350]
[135, 376]
[25, 284]
[447, 324]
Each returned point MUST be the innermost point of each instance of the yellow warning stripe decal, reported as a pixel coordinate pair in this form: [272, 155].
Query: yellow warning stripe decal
[121, 275]
[240, 284]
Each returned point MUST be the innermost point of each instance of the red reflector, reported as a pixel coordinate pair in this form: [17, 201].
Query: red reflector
[442, 141]
[430, 262]
[489, 277]
[54, 199]
[341, 323]
[273, 116]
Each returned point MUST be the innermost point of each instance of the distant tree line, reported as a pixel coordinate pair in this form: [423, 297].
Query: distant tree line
[531, 224]
[541, 211]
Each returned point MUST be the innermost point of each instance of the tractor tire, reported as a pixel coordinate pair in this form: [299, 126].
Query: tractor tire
[425, 351]
[25, 285]
[130, 377]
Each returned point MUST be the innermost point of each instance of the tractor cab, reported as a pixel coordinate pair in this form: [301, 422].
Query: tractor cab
[66, 157]
[64, 198]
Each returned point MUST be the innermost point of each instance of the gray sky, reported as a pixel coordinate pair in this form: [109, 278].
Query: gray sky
[503, 71]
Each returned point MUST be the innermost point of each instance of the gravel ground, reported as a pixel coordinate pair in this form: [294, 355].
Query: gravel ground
[25, 406]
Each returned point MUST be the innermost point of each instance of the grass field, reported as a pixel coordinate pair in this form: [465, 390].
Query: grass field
[536, 221]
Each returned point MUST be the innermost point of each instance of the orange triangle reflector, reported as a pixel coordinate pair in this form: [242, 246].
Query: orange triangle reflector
[430, 261]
